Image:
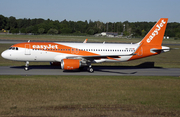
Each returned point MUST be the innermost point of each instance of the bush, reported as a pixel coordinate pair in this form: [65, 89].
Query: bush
[14, 30]
[52, 31]
[41, 30]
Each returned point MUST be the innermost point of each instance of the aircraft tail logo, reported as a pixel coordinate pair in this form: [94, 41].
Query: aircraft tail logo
[156, 34]
[152, 41]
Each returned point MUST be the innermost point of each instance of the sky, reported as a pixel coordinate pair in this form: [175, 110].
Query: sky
[95, 10]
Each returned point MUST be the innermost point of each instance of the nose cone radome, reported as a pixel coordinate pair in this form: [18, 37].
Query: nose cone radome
[6, 55]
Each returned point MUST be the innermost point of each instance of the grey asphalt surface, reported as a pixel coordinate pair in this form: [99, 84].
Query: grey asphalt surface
[98, 70]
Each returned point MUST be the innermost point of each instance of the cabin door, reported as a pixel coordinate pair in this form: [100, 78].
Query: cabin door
[27, 49]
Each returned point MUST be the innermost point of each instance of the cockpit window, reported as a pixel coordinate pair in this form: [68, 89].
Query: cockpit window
[13, 48]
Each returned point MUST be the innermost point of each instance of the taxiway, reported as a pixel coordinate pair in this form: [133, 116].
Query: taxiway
[98, 70]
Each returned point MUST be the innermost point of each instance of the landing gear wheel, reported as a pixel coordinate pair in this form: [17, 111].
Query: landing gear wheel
[26, 68]
[91, 70]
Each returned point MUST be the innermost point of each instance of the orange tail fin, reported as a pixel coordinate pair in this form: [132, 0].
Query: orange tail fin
[153, 40]
[156, 34]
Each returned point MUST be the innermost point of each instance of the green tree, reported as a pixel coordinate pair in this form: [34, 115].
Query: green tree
[143, 32]
[137, 32]
[41, 30]
[3, 22]
[29, 29]
[35, 29]
[52, 31]
[126, 33]
[12, 22]
[66, 30]
[14, 30]
[23, 30]
[178, 34]
[81, 27]
[23, 23]
[91, 32]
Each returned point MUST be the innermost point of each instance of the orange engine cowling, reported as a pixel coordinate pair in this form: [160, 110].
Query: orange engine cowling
[70, 64]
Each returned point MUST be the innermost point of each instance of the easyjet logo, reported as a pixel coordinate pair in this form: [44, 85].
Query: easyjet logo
[156, 31]
[49, 46]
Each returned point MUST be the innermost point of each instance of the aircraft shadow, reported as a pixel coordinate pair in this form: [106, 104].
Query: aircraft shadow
[38, 67]
[99, 68]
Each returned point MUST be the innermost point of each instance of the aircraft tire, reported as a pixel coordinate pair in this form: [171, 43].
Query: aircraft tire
[26, 68]
[91, 70]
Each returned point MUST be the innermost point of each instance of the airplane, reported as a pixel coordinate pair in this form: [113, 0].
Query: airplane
[73, 56]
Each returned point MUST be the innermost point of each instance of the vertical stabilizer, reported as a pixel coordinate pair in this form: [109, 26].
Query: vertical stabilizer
[152, 41]
[156, 34]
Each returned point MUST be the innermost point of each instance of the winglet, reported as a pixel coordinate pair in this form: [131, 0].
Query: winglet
[85, 41]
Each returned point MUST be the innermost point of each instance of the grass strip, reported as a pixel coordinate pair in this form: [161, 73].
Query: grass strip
[89, 95]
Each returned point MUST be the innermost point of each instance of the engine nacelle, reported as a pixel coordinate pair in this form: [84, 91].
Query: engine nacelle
[70, 64]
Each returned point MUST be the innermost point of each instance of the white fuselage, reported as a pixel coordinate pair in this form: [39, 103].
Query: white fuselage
[43, 54]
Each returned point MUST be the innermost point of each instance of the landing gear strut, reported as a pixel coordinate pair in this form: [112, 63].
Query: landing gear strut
[90, 69]
[26, 68]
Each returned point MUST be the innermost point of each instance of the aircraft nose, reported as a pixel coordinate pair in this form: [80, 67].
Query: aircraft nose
[5, 54]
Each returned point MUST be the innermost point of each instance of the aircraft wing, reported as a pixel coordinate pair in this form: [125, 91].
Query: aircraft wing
[99, 56]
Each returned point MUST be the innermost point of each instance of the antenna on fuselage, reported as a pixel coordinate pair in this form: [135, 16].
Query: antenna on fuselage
[28, 41]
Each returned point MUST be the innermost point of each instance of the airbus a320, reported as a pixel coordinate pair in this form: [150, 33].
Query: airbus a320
[76, 55]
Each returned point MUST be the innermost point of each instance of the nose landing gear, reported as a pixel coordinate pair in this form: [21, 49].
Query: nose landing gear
[26, 68]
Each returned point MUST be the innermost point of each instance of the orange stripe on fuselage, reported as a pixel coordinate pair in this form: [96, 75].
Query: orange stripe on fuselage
[54, 47]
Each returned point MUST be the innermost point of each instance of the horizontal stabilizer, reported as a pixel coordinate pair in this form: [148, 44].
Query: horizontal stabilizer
[163, 49]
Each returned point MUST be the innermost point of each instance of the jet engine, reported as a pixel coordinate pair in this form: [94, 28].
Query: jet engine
[70, 64]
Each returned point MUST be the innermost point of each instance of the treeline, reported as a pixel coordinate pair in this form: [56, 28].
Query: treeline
[41, 26]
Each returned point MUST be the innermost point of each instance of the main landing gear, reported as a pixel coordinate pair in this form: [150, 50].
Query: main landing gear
[26, 68]
[90, 69]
